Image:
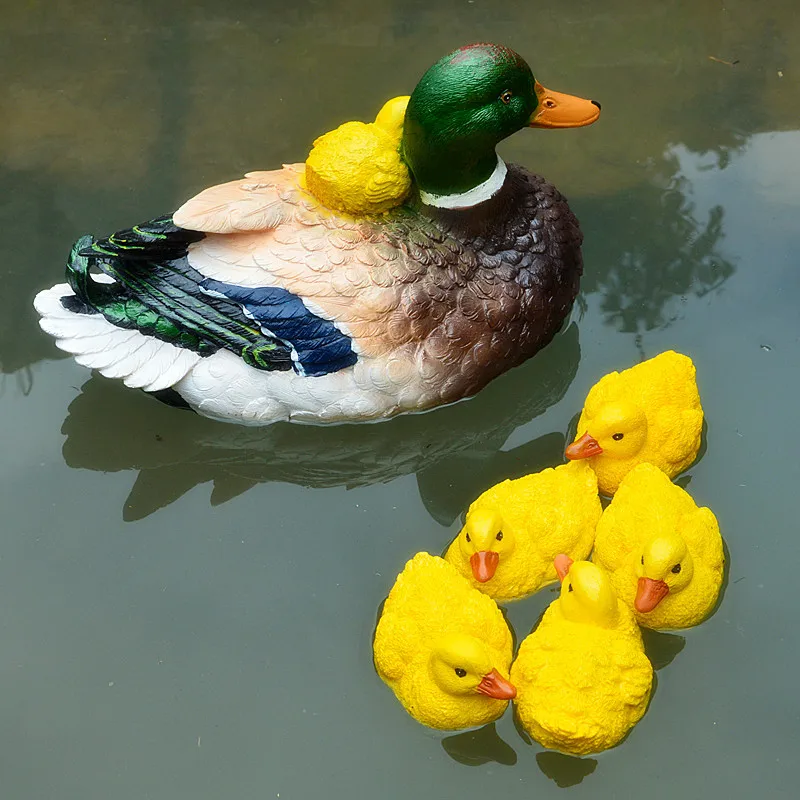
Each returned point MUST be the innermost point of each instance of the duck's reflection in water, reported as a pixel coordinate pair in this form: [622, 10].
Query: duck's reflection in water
[111, 428]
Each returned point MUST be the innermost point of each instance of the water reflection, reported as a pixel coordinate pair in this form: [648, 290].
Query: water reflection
[648, 251]
[660, 647]
[111, 428]
[565, 770]
[482, 746]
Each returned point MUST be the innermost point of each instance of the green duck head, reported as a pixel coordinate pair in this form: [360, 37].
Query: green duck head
[469, 101]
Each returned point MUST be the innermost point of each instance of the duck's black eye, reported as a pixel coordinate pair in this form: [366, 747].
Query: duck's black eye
[618, 436]
[506, 96]
[468, 539]
[642, 560]
[499, 536]
[460, 672]
[569, 587]
[676, 569]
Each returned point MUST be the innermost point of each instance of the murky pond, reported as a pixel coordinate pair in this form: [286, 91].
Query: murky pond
[187, 607]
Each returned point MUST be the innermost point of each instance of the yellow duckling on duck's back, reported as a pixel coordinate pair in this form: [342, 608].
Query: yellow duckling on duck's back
[649, 413]
[582, 677]
[515, 529]
[443, 647]
[664, 553]
[357, 168]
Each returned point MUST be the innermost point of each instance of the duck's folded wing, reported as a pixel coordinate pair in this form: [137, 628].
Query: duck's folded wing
[155, 292]
[258, 202]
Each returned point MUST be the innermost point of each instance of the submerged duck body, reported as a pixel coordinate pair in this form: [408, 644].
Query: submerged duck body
[515, 529]
[255, 302]
[649, 413]
[582, 677]
[664, 554]
[443, 647]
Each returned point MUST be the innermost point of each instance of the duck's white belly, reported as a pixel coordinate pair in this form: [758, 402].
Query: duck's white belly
[223, 387]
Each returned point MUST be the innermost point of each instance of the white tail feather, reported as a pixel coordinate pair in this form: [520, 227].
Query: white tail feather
[143, 362]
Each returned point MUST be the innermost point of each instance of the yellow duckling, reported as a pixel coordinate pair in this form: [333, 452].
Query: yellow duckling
[664, 553]
[443, 648]
[582, 677]
[357, 167]
[514, 530]
[648, 413]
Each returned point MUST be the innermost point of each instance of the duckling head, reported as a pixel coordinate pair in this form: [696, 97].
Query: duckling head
[665, 566]
[462, 665]
[587, 595]
[617, 430]
[392, 115]
[484, 540]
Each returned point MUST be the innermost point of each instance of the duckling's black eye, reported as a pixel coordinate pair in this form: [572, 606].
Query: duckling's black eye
[618, 436]
[569, 587]
[676, 569]
[506, 96]
[460, 672]
[499, 536]
[468, 539]
[642, 560]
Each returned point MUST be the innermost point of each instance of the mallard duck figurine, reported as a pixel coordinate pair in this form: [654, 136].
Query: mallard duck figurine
[254, 302]
[515, 529]
[582, 677]
[650, 413]
[443, 647]
[664, 554]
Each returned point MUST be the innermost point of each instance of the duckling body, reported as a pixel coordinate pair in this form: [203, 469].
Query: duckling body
[650, 413]
[256, 302]
[583, 680]
[514, 530]
[665, 554]
[443, 648]
[357, 168]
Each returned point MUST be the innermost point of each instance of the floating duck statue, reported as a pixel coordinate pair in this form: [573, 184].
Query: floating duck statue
[515, 529]
[582, 678]
[649, 413]
[297, 295]
[443, 647]
[664, 554]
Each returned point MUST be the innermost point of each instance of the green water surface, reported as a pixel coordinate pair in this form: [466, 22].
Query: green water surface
[186, 608]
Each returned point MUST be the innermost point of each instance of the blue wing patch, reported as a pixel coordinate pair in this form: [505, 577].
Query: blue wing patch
[318, 346]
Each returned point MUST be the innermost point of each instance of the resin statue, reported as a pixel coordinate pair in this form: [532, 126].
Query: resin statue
[403, 267]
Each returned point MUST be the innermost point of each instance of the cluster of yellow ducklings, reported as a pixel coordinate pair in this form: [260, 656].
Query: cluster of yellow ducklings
[581, 679]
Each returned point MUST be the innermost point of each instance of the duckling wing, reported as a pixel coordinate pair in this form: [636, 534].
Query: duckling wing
[571, 509]
[700, 530]
[676, 435]
[635, 673]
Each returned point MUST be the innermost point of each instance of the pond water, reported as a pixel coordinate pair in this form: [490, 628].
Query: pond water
[187, 607]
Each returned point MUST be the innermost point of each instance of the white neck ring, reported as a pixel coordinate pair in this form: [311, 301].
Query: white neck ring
[477, 194]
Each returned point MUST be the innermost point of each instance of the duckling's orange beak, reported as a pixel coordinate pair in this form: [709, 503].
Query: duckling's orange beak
[562, 564]
[585, 447]
[484, 565]
[558, 110]
[496, 686]
[649, 594]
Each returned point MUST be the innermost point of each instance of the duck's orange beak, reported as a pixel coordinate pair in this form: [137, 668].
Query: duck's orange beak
[558, 110]
[585, 447]
[496, 686]
[649, 594]
[562, 564]
[484, 565]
